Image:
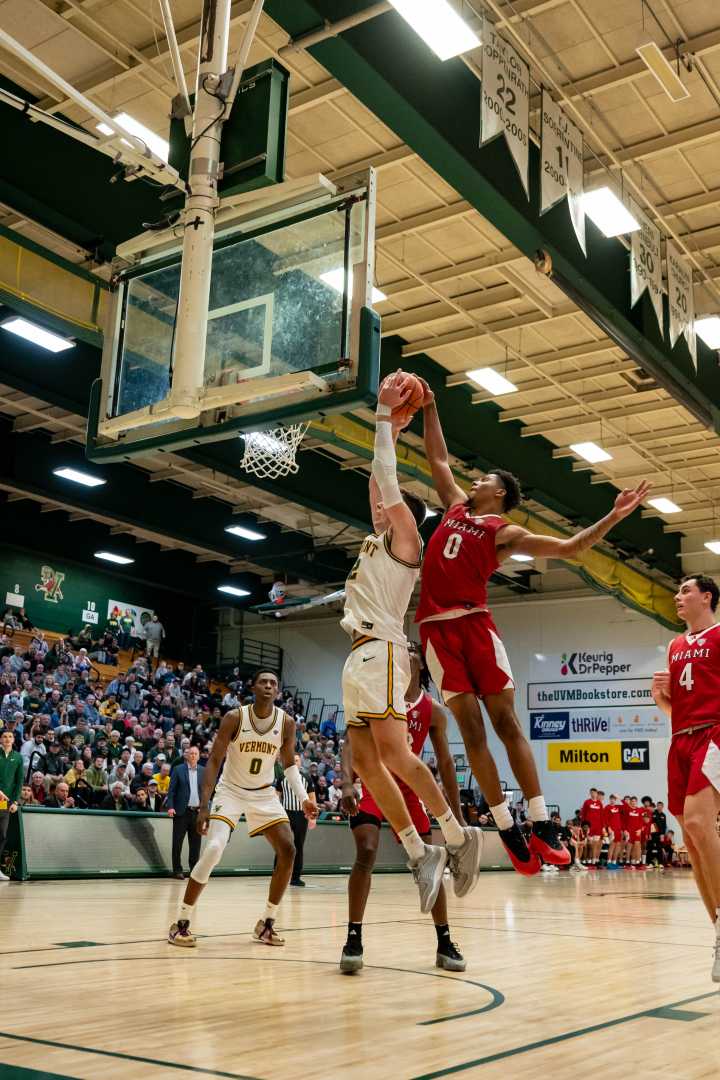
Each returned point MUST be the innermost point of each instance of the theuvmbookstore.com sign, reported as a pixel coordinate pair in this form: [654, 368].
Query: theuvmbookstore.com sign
[595, 694]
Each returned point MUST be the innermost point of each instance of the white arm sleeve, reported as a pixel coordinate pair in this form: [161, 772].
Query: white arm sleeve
[384, 467]
[292, 775]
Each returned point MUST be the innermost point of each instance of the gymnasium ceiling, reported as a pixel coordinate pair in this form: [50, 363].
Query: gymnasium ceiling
[452, 258]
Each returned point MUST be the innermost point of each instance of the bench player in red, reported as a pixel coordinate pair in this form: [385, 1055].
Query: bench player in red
[689, 691]
[593, 812]
[614, 825]
[466, 657]
[424, 718]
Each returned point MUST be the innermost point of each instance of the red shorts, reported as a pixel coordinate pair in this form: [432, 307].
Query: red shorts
[693, 764]
[466, 656]
[418, 816]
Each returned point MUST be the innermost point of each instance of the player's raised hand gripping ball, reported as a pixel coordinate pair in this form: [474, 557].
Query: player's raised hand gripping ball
[405, 394]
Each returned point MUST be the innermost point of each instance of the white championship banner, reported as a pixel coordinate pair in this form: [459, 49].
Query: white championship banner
[681, 300]
[505, 101]
[561, 165]
[646, 264]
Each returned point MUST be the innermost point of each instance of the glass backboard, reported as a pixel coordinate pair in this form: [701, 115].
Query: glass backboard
[290, 331]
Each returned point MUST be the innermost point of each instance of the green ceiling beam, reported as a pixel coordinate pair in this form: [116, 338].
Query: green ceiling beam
[434, 108]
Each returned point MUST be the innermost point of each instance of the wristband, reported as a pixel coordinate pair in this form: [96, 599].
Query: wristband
[383, 412]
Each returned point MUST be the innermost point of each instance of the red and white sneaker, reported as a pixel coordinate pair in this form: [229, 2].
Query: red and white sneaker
[522, 857]
[545, 843]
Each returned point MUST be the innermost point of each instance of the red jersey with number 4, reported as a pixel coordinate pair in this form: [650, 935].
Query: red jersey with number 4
[459, 561]
[694, 663]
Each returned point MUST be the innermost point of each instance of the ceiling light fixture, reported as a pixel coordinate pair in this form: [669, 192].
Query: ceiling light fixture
[154, 142]
[665, 506]
[653, 58]
[609, 213]
[439, 25]
[492, 381]
[79, 477]
[232, 590]
[522, 558]
[110, 556]
[713, 545]
[336, 280]
[708, 328]
[430, 512]
[590, 451]
[246, 534]
[46, 339]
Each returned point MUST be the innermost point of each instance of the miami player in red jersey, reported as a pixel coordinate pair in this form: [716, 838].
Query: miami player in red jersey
[614, 826]
[689, 692]
[466, 657]
[634, 817]
[424, 718]
[593, 812]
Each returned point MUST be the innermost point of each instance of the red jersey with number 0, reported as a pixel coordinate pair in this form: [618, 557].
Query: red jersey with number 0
[459, 561]
[694, 663]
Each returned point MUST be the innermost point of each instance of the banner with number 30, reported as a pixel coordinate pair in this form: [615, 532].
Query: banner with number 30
[505, 103]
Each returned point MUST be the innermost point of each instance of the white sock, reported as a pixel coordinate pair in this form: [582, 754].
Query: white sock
[537, 810]
[451, 830]
[271, 911]
[502, 816]
[186, 911]
[410, 840]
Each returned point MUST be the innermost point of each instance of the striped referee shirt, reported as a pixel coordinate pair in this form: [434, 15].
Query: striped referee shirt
[289, 799]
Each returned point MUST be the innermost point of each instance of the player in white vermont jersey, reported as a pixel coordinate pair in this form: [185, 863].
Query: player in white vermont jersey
[249, 741]
[377, 671]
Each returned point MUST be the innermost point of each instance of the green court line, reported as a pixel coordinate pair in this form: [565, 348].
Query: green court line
[124, 1057]
[581, 937]
[501, 1055]
[21, 1072]
[667, 1012]
[77, 944]
[497, 998]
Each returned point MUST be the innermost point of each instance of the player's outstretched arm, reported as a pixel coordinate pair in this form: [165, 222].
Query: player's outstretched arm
[405, 536]
[437, 453]
[225, 733]
[513, 539]
[445, 761]
[292, 773]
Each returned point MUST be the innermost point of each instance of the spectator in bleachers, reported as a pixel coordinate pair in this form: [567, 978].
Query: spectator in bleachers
[61, 799]
[155, 801]
[116, 799]
[153, 632]
[163, 775]
[328, 729]
[37, 786]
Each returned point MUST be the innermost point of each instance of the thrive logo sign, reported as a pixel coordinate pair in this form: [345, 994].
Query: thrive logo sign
[587, 663]
[549, 725]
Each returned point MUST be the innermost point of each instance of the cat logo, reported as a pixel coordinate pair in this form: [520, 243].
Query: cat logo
[635, 755]
[49, 584]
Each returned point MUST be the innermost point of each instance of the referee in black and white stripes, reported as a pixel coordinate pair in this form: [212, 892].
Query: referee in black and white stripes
[298, 824]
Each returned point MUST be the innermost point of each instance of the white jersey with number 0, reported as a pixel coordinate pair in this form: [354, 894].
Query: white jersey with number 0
[378, 591]
[250, 758]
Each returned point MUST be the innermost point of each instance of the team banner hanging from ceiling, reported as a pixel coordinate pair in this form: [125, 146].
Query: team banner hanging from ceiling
[561, 176]
[505, 103]
[646, 264]
[681, 300]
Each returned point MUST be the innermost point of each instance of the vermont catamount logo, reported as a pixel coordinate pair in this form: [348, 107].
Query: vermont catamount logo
[49, 584]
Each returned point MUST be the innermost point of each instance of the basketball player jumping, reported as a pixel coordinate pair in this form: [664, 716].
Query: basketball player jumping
[377, 671]
[425, 717]
[249, 740]
[466, 657]
[689, 692]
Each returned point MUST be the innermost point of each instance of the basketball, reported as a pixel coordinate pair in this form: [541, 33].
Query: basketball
[404, 414]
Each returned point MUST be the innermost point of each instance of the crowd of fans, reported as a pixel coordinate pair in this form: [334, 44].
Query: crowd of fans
[88, 743]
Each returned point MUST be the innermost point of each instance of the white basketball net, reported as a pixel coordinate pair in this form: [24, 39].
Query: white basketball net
[270, 454]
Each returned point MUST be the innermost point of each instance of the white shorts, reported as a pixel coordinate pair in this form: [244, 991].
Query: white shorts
[152, 648]
[262, 808]
[374, 680]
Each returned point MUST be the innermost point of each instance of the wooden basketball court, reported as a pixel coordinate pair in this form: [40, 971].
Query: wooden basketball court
[567, 976]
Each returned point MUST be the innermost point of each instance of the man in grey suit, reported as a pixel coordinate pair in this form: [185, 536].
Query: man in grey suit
[182, 804]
